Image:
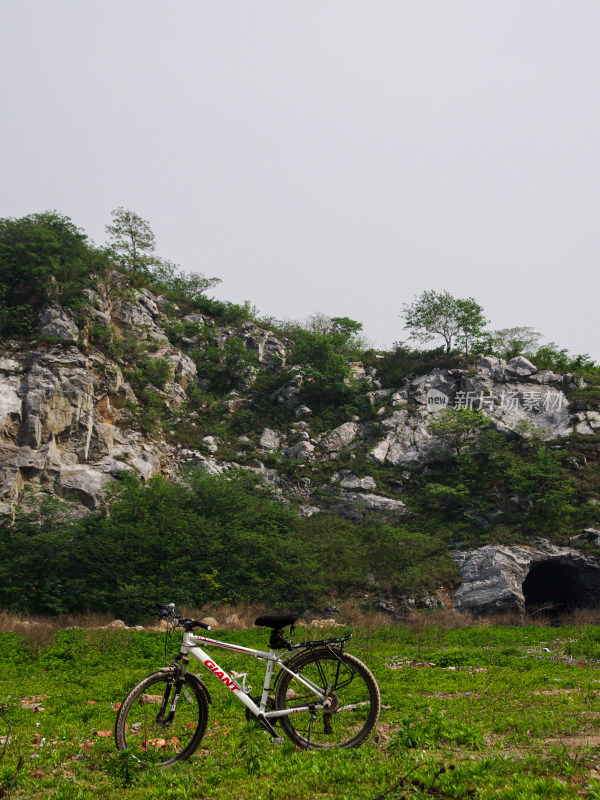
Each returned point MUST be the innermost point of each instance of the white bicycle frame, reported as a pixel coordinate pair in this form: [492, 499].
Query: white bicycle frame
[191, 646]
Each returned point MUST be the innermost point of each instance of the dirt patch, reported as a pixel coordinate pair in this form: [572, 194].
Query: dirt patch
[580, 740]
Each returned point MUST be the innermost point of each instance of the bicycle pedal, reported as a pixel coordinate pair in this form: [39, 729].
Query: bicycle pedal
[276, 740]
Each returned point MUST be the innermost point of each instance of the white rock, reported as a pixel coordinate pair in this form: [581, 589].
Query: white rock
[302, 411]
[300, 451]
[270, 439]
[521, 366]
[593, 418]
[85, 482]
[146, 465]
[375, 397]
[376, 502]
[340, 437]
[399, 399]
[10, 365]
[354, 482]
[146, 299]
[185, 370]
[211, 444]
[380, 451]
[10, 407]
[196, 319]
[56, 323]
[308, 511]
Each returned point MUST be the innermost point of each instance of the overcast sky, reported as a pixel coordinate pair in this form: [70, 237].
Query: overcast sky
[332, 156]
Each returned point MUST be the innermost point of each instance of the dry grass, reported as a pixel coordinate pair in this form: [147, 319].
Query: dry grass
[582, 616]
[37, 625]
[40, 630]
[234, 617]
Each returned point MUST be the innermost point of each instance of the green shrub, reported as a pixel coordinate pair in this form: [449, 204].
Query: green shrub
[43, 255]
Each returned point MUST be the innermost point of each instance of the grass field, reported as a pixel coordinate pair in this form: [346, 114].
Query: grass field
[502, 712]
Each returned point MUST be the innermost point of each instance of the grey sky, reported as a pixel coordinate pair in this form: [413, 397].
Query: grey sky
[325, 156]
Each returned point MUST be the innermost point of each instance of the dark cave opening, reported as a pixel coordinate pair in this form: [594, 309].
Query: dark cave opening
[554, 587]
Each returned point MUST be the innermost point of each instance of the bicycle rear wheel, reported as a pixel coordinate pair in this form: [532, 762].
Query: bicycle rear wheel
[143, 720]
[354, 695]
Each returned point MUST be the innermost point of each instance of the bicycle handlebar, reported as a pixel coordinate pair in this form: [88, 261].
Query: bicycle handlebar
[186, 622]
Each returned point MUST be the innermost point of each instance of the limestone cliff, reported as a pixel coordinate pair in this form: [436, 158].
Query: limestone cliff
[68, 412]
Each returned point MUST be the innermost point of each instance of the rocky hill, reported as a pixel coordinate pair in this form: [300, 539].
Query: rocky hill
[68, 421]
[421, 448]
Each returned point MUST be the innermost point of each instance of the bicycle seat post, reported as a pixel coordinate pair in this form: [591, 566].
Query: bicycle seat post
[264, 700]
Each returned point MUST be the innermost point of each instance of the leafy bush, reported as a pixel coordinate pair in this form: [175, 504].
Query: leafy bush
[225, 312]
[209, 538]
[589, 395]
[156, 371]
[403, 361]
[560, 360]
[42, 255]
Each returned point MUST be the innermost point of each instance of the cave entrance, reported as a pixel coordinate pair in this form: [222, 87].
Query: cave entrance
[553, 587]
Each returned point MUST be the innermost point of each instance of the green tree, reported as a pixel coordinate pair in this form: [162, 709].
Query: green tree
[132, 240]
[439, 314]
[43, 254]
[457, 428]
[168, 278]
[134, 244]
[228, 365]
[324, 366]
[540, 478]
[511, 342]
[324, 357]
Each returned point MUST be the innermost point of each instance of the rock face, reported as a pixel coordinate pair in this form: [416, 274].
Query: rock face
[269, 350]
[340, 437]
[67, 410]
[56, 324]
[501, 391]
[499, 578]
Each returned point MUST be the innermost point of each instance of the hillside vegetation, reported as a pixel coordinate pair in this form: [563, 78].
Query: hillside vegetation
[254, 494]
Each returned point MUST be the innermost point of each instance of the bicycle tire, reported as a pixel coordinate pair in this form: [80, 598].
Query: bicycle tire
[151, 741]
[354, 693]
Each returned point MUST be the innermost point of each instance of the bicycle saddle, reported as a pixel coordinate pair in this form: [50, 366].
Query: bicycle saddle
[277, 623]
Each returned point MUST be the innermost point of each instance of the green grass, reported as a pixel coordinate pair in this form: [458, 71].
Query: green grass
[486, 712]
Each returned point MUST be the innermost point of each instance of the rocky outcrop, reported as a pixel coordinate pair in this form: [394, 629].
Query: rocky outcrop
[301, 451]
[511, 395]
[269, 350]
[67, 409]
[139, 315]
[289, 395]
[56, 324]
[64, 422]
[66, 419]
[512, 404]
[372, 502]
[10, 408]
[499, 578]
[270, 439]
[341, 437]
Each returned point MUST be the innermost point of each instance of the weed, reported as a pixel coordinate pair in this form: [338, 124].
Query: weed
[252, 748]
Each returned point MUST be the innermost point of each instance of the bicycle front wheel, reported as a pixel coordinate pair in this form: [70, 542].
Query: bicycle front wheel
[147, 727]
[352, 690]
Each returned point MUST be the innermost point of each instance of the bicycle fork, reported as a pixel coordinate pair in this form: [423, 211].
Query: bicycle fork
[177, 682]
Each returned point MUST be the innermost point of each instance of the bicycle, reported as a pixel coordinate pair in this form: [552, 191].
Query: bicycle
[321, 697]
